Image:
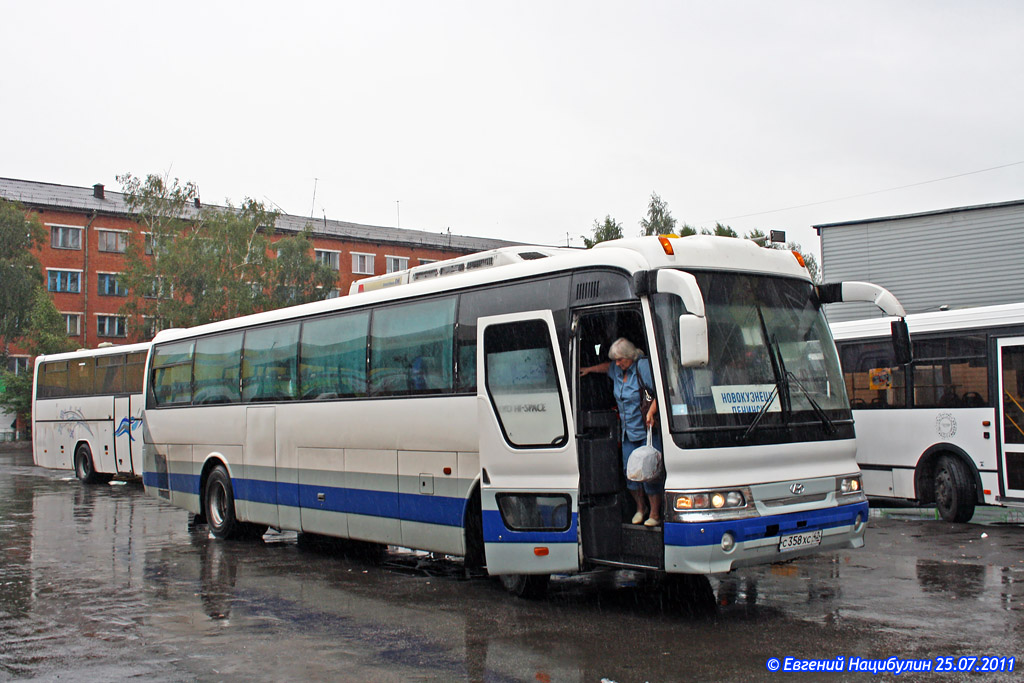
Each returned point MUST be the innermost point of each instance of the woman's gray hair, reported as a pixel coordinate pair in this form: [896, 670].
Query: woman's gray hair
[623, 348]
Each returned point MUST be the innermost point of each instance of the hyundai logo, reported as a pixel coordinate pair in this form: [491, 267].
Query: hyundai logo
[796, 489]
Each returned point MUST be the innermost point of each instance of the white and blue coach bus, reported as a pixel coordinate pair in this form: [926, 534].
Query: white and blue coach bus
[441, 409]
[87, 411]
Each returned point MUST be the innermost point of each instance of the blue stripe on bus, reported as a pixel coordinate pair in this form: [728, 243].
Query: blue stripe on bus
[406, 506]
[495, 531]
[692, 534]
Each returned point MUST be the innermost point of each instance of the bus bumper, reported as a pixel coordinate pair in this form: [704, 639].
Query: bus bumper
[697, 547]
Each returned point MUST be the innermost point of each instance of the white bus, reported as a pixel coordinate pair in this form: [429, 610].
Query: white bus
[947, 429]
[445, 412]
[87, 411]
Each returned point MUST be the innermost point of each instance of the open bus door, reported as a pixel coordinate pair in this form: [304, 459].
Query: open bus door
[528, 468]
[1011, 407]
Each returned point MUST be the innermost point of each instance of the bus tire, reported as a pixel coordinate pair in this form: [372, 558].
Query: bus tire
[84, 468]
[955, 496]
[219, 508]
[528, 586]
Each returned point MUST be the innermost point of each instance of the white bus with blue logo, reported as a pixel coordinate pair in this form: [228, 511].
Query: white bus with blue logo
[87, 412]
[442, 409]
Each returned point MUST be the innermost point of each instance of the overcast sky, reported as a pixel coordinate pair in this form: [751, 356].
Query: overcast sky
[527, 120]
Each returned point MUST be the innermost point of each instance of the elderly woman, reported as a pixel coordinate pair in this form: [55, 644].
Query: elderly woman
[630, 372]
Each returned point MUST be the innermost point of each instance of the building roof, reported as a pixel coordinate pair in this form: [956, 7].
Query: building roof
[957, 209]
[72, 198]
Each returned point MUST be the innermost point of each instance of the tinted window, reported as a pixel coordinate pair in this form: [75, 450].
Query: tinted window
[551, 294]
[334, 357]
[873, 379]
[172, 373]
[411, 348]
[216, 369]
[135, 370]
[951, 372]
[269, 364]
[522, 384]
[80, 376]
[110, 374]
[53, 379]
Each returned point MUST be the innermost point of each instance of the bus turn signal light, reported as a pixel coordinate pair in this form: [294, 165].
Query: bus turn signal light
[800, 258]
[540, 551]
[666, 245]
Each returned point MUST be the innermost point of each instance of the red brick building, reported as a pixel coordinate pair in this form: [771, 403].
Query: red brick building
[87, 230]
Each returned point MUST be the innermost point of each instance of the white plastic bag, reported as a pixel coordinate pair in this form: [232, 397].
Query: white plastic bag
[644, 463]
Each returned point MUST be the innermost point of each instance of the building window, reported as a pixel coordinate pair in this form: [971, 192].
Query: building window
[396, 263]
[109, 286]
[65, 237]
[362, 264]
[148, 242]
[110, 326]
[328, 258]
[113, 241]
[73, 323]
[19, 365]
[425, 261]
[64, 281]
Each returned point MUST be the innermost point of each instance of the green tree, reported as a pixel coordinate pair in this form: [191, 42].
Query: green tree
[20, 273]
[44, 332]
[687, 230]
[610, 229]
[658, 220]
[723, 231]
[296, 277]
[213, 263]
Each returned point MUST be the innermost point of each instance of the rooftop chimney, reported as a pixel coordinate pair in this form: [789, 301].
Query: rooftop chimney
[97, 190]
[197, 202]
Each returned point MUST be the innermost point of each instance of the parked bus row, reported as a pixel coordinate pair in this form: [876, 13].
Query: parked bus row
[446, 412]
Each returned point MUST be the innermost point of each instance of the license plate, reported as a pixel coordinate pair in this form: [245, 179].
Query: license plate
[797, 541]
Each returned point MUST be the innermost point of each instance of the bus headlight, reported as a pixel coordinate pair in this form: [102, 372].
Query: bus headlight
[692, 506]
[850, 485]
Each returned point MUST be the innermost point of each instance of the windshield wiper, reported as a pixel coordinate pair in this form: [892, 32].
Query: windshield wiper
[830, 426]
[761, 413]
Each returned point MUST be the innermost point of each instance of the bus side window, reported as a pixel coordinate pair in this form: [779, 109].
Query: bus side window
[873, 380]
[270, 363]
[333, 354]
[411, 348]
[216, 369]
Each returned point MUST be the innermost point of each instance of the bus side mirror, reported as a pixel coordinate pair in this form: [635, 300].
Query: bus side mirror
[901, 342]
[693, 341]
[693, 326]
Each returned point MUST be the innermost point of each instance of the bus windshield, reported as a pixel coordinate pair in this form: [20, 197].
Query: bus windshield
[772, 359]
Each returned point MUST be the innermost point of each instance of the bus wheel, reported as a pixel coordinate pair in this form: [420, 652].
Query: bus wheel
[529, 586]
[219, 506]
[84, 469]
[954, 490]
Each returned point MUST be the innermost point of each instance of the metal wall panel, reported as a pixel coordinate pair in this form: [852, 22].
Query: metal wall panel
[964, 257]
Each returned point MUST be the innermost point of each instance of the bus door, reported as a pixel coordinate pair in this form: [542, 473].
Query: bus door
[1011, 404]
[528, 467]
[123, 435]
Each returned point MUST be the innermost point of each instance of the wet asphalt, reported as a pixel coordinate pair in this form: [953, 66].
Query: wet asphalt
[105, 583]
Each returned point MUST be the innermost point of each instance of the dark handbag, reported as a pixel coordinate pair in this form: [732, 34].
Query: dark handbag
[646, 395]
